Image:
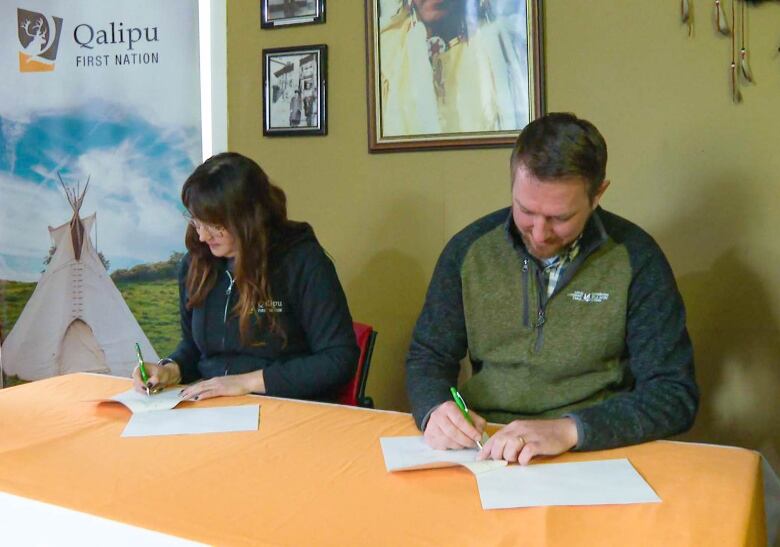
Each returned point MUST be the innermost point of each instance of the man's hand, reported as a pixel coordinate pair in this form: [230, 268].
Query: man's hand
[447, 428]
[521, 440]
[220, 386]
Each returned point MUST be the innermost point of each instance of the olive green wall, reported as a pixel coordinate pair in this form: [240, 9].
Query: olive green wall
[696, 171]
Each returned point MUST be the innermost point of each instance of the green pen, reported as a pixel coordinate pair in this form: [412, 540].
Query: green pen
[141, 367]
[463, 409]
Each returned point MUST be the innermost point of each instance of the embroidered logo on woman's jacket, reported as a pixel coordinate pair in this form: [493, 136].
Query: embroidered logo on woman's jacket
[274, 306]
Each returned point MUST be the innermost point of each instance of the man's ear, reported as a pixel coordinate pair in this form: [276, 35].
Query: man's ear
[600, 192]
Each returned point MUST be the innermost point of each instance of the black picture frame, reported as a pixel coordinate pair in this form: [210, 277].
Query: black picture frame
[287, 13]
[410, 105]
[289, 72]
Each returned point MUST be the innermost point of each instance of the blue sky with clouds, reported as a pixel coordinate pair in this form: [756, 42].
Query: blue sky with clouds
[68, 135]
[135, 168]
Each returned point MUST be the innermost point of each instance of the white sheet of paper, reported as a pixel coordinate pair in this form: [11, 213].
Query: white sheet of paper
[599, 482]
[189, 421]
[141, 402]
[409, 453]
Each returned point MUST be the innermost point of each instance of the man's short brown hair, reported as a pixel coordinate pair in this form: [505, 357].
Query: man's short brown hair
[560, 145]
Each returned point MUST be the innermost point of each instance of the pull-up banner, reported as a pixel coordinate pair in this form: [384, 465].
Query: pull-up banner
[107, 92]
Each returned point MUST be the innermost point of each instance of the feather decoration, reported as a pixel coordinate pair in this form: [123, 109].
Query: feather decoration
[744, 66]
[685, 15]
[736, 96]
[720, 18]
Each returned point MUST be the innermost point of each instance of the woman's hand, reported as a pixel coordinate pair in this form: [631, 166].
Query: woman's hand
[159, 377]
[220, 386]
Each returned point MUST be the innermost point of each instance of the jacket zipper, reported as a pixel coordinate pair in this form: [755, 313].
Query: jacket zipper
[526, 321]
[228, 293]
[540, 319]
[540, 314]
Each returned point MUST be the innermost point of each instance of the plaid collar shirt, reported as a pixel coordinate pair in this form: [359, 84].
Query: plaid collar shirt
[553, 268]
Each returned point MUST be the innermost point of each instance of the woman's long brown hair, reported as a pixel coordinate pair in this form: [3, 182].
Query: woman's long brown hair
[232, 191]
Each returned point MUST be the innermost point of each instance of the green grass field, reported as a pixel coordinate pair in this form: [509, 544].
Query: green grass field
[13, 296]
[155, 305]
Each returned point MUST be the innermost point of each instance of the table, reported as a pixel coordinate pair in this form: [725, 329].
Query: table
[313, 474]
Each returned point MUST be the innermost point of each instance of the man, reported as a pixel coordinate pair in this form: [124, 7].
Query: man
[570, 315]
[295, 109]
[450, 66]
[308, 109]
[442, 18]
[289, 8]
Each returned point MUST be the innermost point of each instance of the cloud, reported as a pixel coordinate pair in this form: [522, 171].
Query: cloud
[11, 132]
[20, 269]
[138, 216]
[25, 212]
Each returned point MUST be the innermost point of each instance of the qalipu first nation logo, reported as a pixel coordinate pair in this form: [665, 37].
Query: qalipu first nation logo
[39, 38]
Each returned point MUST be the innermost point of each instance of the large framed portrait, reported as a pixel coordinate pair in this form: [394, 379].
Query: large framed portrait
[452, 73]
[284, 13]
[294, 91]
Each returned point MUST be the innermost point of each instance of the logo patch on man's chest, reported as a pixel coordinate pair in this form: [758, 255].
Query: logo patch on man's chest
[588, 297]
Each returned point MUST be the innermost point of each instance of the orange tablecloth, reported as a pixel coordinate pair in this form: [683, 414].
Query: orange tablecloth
[313, 474]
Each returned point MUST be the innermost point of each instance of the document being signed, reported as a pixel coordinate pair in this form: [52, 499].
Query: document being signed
[141, 402]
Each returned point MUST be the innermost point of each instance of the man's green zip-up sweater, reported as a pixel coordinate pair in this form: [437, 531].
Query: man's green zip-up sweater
[609, 348]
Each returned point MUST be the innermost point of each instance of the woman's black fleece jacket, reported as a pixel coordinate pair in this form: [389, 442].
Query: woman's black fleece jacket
[319, 353]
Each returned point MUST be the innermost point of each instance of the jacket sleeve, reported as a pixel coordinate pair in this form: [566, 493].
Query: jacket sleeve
[665, 396]
[186, 353]
[439, 339]
[321, 307]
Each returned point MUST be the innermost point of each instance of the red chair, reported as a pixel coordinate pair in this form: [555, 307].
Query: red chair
[354, 392]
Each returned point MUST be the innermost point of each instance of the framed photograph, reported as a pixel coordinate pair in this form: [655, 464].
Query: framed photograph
[284, 13]
[294, 91]
[452, 73]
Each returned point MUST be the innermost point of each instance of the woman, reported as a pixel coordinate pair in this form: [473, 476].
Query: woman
[262, 310]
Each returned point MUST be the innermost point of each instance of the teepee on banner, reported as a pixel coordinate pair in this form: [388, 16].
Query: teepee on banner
[76, 320]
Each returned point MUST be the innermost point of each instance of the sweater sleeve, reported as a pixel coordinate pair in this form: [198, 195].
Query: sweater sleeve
[186, 353]
[324, 315]
[439, 339]
[665, 396]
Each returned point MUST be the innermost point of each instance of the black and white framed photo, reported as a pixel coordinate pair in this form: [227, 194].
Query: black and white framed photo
[294, 90]
[284, 13]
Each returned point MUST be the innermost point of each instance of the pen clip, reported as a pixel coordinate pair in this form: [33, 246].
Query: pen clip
[141, 369]
[464, 409]
[459, 400]
[138, 354]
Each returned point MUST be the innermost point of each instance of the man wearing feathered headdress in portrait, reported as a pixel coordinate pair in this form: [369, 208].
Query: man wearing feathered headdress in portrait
[450, 66]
